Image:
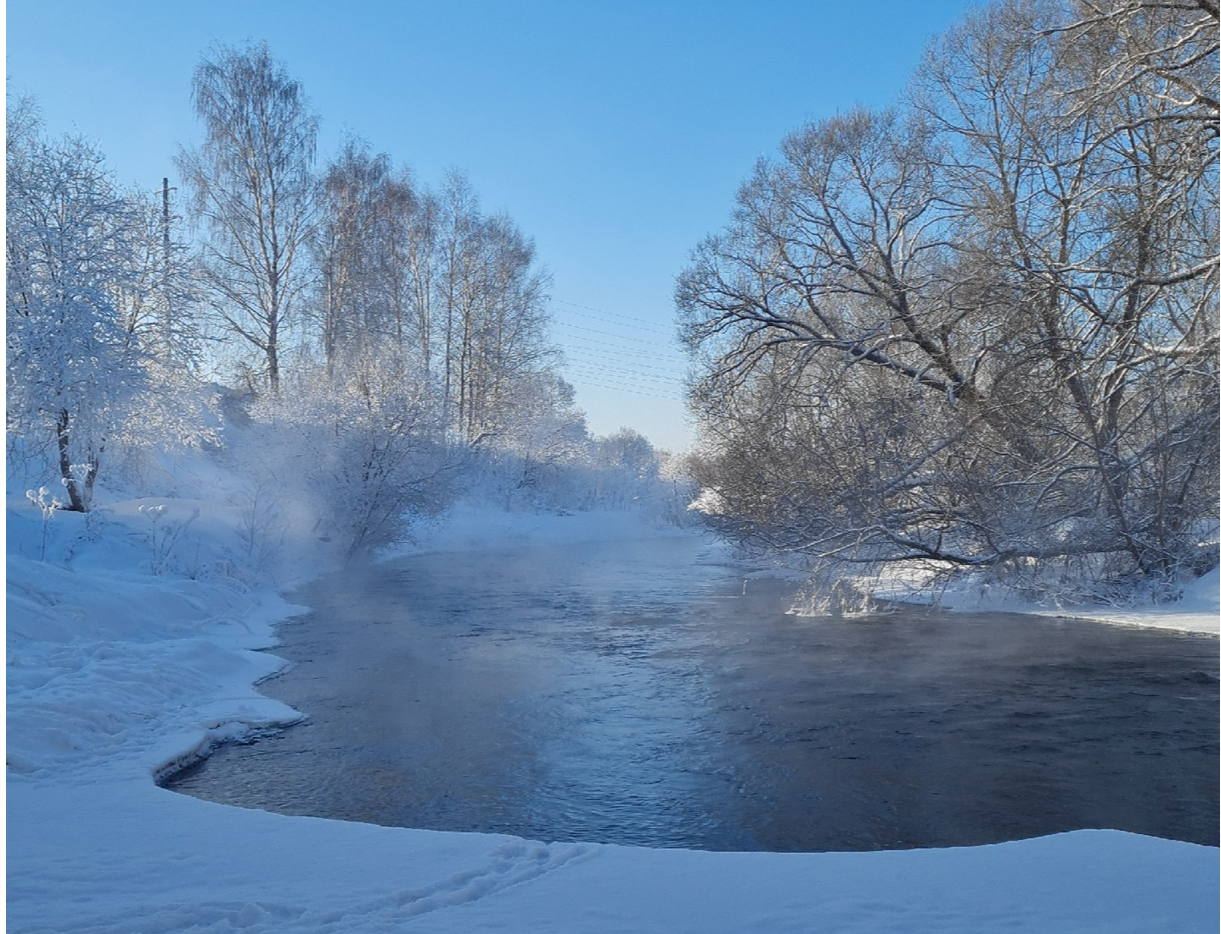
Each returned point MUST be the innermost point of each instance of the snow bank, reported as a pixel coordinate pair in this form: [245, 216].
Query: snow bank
[1198, 610]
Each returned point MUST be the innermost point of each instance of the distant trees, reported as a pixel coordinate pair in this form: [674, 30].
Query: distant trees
[253, 186]
[628, 460]
[981, 329]
[488, 330]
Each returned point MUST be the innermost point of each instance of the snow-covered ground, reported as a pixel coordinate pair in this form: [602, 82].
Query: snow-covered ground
[133, 647]
[1197, 610]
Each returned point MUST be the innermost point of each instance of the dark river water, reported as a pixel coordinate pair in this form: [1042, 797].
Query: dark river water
[638, 695]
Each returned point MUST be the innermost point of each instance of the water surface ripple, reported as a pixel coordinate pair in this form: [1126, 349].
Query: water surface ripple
[638, 696]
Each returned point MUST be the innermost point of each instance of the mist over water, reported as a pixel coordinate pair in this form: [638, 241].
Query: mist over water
[636, 694]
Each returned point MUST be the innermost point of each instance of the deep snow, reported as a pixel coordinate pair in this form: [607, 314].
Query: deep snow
[127, 657]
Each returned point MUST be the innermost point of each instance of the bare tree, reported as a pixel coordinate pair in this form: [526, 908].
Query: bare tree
[253, 186]
[1169, 47]
[980, 330]
[1096, 201]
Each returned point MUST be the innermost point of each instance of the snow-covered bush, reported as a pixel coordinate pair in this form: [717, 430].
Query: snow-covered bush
[349, 459]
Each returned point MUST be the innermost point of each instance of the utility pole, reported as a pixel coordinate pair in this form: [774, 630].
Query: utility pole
[167, 328]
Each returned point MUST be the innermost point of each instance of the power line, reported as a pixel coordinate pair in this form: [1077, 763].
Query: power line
[636, 327]
[620, 387]
[588, 358]
[610, 314]
[630, 340]
[587, 346]
[662, 381]
[602, 354]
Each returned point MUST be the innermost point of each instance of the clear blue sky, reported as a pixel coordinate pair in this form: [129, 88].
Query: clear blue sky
[614, 133]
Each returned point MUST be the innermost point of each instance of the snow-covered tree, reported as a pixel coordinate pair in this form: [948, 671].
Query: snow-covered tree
[490, 313]
[627, 468]
[362, 247]
[74, 371]
[90, 372]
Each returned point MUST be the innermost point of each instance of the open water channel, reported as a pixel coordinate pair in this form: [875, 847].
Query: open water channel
[639, 694]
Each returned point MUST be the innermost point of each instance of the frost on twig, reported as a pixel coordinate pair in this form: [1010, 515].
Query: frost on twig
[47, 506]
[164, 535]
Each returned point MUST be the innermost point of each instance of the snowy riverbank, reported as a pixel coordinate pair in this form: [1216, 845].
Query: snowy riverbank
[122, 663]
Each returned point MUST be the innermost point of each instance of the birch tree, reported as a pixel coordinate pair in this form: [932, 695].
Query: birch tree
[253, 188]
[362, 253]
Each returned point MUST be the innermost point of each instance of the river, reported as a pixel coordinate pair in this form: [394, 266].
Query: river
[640, 693]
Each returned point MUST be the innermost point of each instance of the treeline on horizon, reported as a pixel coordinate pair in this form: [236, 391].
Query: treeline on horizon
[977, 331]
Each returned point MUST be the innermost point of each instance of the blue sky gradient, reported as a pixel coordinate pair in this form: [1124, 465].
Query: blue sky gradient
[615, 134]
